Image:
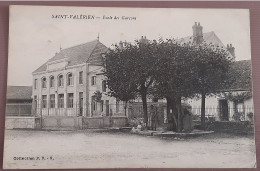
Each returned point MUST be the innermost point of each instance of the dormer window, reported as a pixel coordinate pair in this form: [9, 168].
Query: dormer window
[60, 80]
[70, 79]
[51, 81]
[44, 81]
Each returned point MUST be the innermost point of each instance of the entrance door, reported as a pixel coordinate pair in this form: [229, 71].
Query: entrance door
[223, 108]
[107, 107]
[80, 103]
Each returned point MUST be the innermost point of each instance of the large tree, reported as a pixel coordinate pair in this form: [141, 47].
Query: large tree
[144, 63]
[121, 79]
[129, 69]
[171, 69]
[187, 71]
[174, 78]
[211, 65]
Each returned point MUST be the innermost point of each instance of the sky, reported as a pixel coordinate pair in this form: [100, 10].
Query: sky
[35, 35]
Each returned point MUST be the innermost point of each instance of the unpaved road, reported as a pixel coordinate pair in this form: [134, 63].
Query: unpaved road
[90, 149]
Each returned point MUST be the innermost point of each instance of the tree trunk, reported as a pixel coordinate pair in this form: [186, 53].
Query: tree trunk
[203, 124]
[179, 114]
[170, 125]
[171, 111]
[144, 100]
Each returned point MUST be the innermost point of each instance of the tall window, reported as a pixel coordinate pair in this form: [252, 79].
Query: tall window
[35, 83]
[52, 101]
[61, 101]
[51, 81]
[60, 80]
[81, 77]
[70, 79]
[93, 80]
[70, 100]
[44, 101]
[104, 86]
[44, 85]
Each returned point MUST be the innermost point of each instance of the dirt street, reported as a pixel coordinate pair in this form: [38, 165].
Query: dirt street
[90, 149]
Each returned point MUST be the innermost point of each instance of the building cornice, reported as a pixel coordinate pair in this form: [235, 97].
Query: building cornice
[59, 69]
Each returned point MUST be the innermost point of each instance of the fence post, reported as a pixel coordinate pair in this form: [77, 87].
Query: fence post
[48, 109]
[19, 110]
[76, 110]
[41, 112]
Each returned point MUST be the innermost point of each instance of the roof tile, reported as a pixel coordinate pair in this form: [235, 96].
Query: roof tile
[90, 52]
[19, 92]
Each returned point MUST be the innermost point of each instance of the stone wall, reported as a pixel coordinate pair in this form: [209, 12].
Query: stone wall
[13, 122]
[233, 127]
[56, 122]
[104, 122]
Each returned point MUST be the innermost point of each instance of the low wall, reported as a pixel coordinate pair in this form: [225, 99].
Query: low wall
[13, 122]
[104, 122]
[64, 122]
[233, 127]
[118, 121]
[56, 122]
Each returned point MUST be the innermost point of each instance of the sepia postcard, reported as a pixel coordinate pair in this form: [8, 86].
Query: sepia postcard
[98, 87]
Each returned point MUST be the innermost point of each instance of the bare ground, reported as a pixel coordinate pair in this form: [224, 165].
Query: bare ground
[94, 149]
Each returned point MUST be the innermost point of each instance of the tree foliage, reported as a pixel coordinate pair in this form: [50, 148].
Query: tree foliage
[129, 69]
[97, 96]
[211, 65]
[166, 69]
[121, 79]
[238, 97]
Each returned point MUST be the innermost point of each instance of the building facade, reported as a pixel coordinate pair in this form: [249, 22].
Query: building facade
[68, 84]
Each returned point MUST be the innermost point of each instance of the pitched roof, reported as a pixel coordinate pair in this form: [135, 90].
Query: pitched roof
[19, 92]
[240, 77]
[209, 37]
[90, 52]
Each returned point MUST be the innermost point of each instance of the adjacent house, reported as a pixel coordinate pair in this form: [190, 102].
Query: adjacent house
[236, 98]
[19, 94]
[19, 101]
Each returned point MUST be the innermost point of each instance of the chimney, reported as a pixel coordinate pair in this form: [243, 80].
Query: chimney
[231, 50]
[121, 45]
[197, 33]
[143, 40]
